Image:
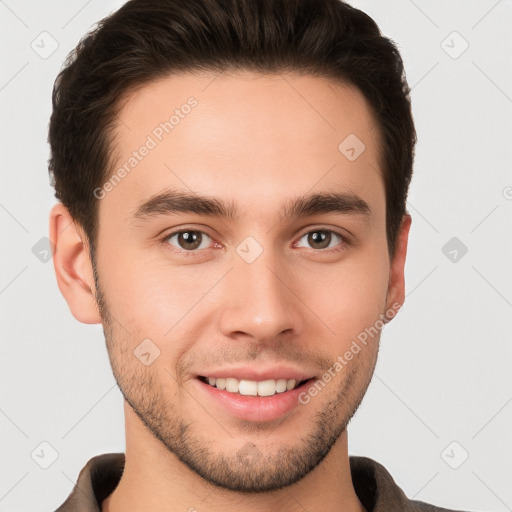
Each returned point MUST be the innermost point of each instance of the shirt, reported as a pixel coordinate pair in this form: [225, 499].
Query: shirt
[373, 484]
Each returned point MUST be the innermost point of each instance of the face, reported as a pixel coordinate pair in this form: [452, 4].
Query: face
[259, 285]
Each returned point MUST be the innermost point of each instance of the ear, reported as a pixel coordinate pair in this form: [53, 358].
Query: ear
[396, 285]
[73, 267]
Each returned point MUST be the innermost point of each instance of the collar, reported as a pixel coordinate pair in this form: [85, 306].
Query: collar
[373, 485]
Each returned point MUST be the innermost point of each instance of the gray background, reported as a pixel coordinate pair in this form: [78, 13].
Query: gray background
[442, 389]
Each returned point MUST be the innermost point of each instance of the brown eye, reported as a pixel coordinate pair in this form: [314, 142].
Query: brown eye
[188, 240]
[322, 238]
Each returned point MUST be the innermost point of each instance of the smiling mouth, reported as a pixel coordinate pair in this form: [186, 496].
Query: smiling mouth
[267, 387]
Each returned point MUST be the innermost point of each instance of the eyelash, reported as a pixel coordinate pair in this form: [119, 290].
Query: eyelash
[340, 247]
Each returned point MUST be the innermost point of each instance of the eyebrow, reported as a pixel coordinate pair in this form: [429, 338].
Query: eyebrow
[176, 202]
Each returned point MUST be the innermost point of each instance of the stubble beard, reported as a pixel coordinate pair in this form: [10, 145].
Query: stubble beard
[247, 469]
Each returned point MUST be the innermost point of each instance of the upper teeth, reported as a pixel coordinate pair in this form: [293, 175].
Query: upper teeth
[253, 387]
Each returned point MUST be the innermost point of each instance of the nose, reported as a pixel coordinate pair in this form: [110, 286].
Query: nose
[260, 302]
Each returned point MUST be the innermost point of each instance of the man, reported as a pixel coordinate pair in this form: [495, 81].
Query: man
[232, 178]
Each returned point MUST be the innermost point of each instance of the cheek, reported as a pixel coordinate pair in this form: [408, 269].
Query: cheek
[152, 298]
[348, 297]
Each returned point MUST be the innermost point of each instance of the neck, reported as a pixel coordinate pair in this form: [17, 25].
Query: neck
[155, 479]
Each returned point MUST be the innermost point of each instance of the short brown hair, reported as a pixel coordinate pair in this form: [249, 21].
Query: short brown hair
[149, 39]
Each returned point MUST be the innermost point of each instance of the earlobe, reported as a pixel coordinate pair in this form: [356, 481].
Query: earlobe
[396, 285]
[73, 266]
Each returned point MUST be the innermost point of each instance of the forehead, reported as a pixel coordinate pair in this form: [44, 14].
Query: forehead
[248, 136]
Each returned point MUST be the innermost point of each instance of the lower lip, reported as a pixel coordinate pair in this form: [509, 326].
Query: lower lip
[255, 408]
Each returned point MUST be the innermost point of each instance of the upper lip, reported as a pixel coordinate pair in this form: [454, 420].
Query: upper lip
[258, 374]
